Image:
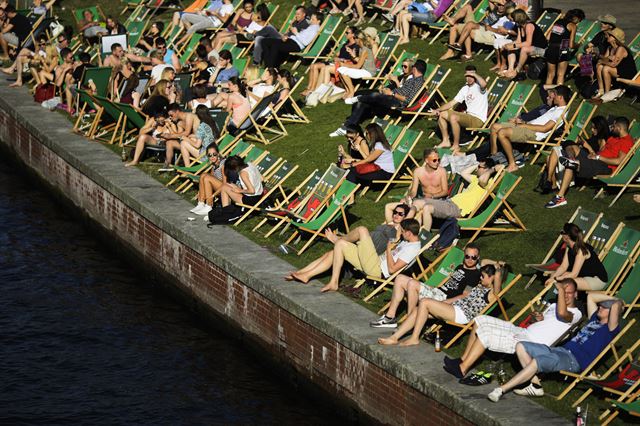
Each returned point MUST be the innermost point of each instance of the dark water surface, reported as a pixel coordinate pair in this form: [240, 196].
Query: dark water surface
[84, 341]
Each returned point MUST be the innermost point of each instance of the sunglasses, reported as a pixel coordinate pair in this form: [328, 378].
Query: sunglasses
[470, 256]
[399, 213]
[212, 155]
[437, 160]
[405, 66]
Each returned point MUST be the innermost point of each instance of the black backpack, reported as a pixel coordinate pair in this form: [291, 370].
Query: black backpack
[225, 215]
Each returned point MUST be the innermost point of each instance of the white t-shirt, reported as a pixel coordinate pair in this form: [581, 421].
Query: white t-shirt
[156, 71]
[404, 251]
[385, 160]
[550, 328]
[476, 100]
[255, 178]
[554, 114]
[253, 27]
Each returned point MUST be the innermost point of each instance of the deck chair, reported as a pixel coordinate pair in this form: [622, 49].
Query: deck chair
[314, 50]
[585, 374]
[427, 239]
[628, 400]
[634, 45]
[499, 204]
[111, 132]
[586, 221]
[509, 282]
[396, 69]
[135, 29]
[583, 29]
[441, 25]
[401, 155]
[497, 97]
[618, 255]
[286, 24]
[603, 236]
[546, 21]
[334, 210]
[306, 207]
[434, 77]
[624, 176]
[134, 120]
[273, 186]
[629, 290]
[185, 54]
[578, 122]
[251, 128]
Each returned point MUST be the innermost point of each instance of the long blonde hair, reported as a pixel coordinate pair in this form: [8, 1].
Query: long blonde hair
[161, 88]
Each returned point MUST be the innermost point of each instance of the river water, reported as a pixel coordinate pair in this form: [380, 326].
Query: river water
[84, 340]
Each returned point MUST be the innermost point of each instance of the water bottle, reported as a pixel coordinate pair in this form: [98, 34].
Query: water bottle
[438, 342]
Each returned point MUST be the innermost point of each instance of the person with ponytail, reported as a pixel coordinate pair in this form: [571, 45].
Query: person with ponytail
[580, 262]
[237, 104]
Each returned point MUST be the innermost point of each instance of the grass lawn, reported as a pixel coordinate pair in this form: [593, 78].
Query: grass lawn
[310, 147]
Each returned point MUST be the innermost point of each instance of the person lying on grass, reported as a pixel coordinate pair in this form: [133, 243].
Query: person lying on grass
[359, 249]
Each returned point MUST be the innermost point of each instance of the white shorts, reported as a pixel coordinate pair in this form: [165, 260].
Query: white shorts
[500, 42]
[355, 73]
[460, 318]
[498, 335]
[427, 292]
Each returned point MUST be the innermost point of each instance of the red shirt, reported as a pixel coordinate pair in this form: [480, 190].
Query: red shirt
[614, 146]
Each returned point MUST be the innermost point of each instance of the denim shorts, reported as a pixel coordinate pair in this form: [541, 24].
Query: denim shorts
[423, 18]
[550, 359]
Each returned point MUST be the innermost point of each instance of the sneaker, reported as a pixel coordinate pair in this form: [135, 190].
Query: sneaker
[455, 46]
[394, 32]
[452, 366]
[478, 379]
[340, 131]
[389, 17]
[531, 390]
[556, 201]
[569, 163]
[204, 211]
[495, 395]
[351, 101]
[198, 207]
[384, 322]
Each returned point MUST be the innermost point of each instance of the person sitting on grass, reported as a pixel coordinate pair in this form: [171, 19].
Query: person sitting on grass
[460, 309]
[575, 355]
[430, 178]
[490, 333]
[359, 249]
[475, 97]
[467, 274]
[585, 163]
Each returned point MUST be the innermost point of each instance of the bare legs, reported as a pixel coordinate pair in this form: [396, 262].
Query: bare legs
[446, 119]
[209, 185]
[417, 319]
[401, 286]
[142, 141]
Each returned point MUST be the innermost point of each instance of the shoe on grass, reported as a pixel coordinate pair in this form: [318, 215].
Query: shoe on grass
[384, 322]
[340, 131]
[556, 201]
[530, 390]
[495, 395]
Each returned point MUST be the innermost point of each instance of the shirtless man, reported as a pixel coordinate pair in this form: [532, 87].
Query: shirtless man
[432, 178]
[187, 123]
[114, 60]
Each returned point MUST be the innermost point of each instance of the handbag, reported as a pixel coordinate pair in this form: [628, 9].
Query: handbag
[366, 168]
[44, 92]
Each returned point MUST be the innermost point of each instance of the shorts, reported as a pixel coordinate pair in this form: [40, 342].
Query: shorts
[595, 283]
[363, 257]
[427, 292]
[498, 335]
[590, 168]
[538, 51]
[355, 73]
[554, 55]
[443, 209]
[423, 18]
[520, 134]
[11, 38]
[551, 360]
[460, 317]
[482, 36]
[95, 31]
[250, 200]
[467, 120]
[501, 42]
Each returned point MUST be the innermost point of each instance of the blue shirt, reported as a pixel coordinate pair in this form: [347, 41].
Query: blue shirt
[590, 341]
[168, 56]
[225, 74]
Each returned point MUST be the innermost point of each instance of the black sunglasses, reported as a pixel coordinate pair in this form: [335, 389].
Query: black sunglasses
[470, 256]
[399, 213]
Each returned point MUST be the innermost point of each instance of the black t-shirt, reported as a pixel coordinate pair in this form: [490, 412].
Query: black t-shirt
[592, 267]
[600, 42]
[343, 54]
[154, 105]
[21, 26]
[77, 73]
[304, 24]
[460, 279]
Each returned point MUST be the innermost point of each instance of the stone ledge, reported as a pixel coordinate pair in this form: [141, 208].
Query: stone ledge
[334, 315]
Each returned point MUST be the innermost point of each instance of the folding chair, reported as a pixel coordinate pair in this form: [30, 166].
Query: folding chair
[627, 401]
[629, 289]
[583, 29]
[115, 128]
[634, 45]
[624, 176]
[251, 128]
[185, 54]
[499, 204]
[434, 77]
[617, 256]
[586, 221]
[135, 29]
[401, 153]
[134, 120]
[313, 51]
[546, 21]
[334, 210]
[510, 281]
[295, 114]
[497, 97]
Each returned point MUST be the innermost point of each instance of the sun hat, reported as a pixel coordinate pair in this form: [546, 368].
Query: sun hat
[618, 34]
[607, 19]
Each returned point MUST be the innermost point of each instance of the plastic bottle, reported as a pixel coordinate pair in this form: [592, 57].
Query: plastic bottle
[579, 417]
[438, 342]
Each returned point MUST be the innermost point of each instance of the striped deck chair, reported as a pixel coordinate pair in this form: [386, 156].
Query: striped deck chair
[624, 176]
[334, 210]
[586, 221]
[326, 34]
[499, 204]
[401, 155]
[427, 239]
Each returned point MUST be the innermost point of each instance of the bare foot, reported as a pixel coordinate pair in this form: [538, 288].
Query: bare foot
[388, 341]
[512, 169]
[16, 84]
[495, 68]
[410, 342]
[289, 276]
[448, 55]
[329, 287]
[305, 93]
[131, 164]
[444, 144]
[330, 235]
[8, 70]
[299, 278]
[403, 40]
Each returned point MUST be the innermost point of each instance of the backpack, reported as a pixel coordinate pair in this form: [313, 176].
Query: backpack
[536, 69]
[44, 92]
[225, 215]
[449, 231]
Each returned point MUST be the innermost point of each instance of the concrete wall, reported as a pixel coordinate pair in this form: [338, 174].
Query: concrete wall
[324, 338]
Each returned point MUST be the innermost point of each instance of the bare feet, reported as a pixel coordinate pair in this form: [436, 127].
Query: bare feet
[16, 84]
[512, 169]
[444, 144]
[8, 70]
[330, 235]
[403, 40]
[410, 342]
[448, 55]
[495, 68]
[289, 276]
[329, 287]
[305, 93]
[131, 164]
[388, 341]
[299, 277]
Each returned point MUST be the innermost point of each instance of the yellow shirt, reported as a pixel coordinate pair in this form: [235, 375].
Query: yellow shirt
[468, 199]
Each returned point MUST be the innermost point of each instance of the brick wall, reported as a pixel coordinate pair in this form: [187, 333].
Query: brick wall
[339, 371]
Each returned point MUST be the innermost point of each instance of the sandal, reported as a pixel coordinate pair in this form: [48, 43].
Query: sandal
[478, 379]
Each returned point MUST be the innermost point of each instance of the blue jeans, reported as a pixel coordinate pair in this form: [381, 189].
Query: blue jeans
[550, 359]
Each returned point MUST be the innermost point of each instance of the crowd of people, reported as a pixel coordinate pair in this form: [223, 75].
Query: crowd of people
[179, 123]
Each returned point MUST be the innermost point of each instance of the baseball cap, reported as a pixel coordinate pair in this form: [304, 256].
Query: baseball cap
[607, 304]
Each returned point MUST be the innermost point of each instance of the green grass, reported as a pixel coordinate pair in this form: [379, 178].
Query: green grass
[310, 147]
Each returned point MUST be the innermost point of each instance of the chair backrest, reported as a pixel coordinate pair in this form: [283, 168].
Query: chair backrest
[340, 197]
[190, 48]
[585, 220]
[480, 11]
[326, 32]
[283, 170]
[517, 101]
[404, 147]
[581, 118]
[619, 253]
[634, 130]
[437, 77]
[289, 20]
[254, 154]
[583, 28]
[109, 107]
[240, 147]
[313, 181]
[629, 290]
[591, 32]
[385, 51]
[329, 180]
[446, 267]
[634, 45]
[391, 132]
[135, 118]
[602, 234]
[134, 32]
[498, 89]
[509, 180]
[546, 20]
[424, 236]
[100, 77]
[265, 163]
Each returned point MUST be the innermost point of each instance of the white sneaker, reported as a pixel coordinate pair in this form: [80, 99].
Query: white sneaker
[340, 131]
[204, 211]
[351, 101]
[495, 395]
[394, 32]
[198, 207]
[530, 390]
